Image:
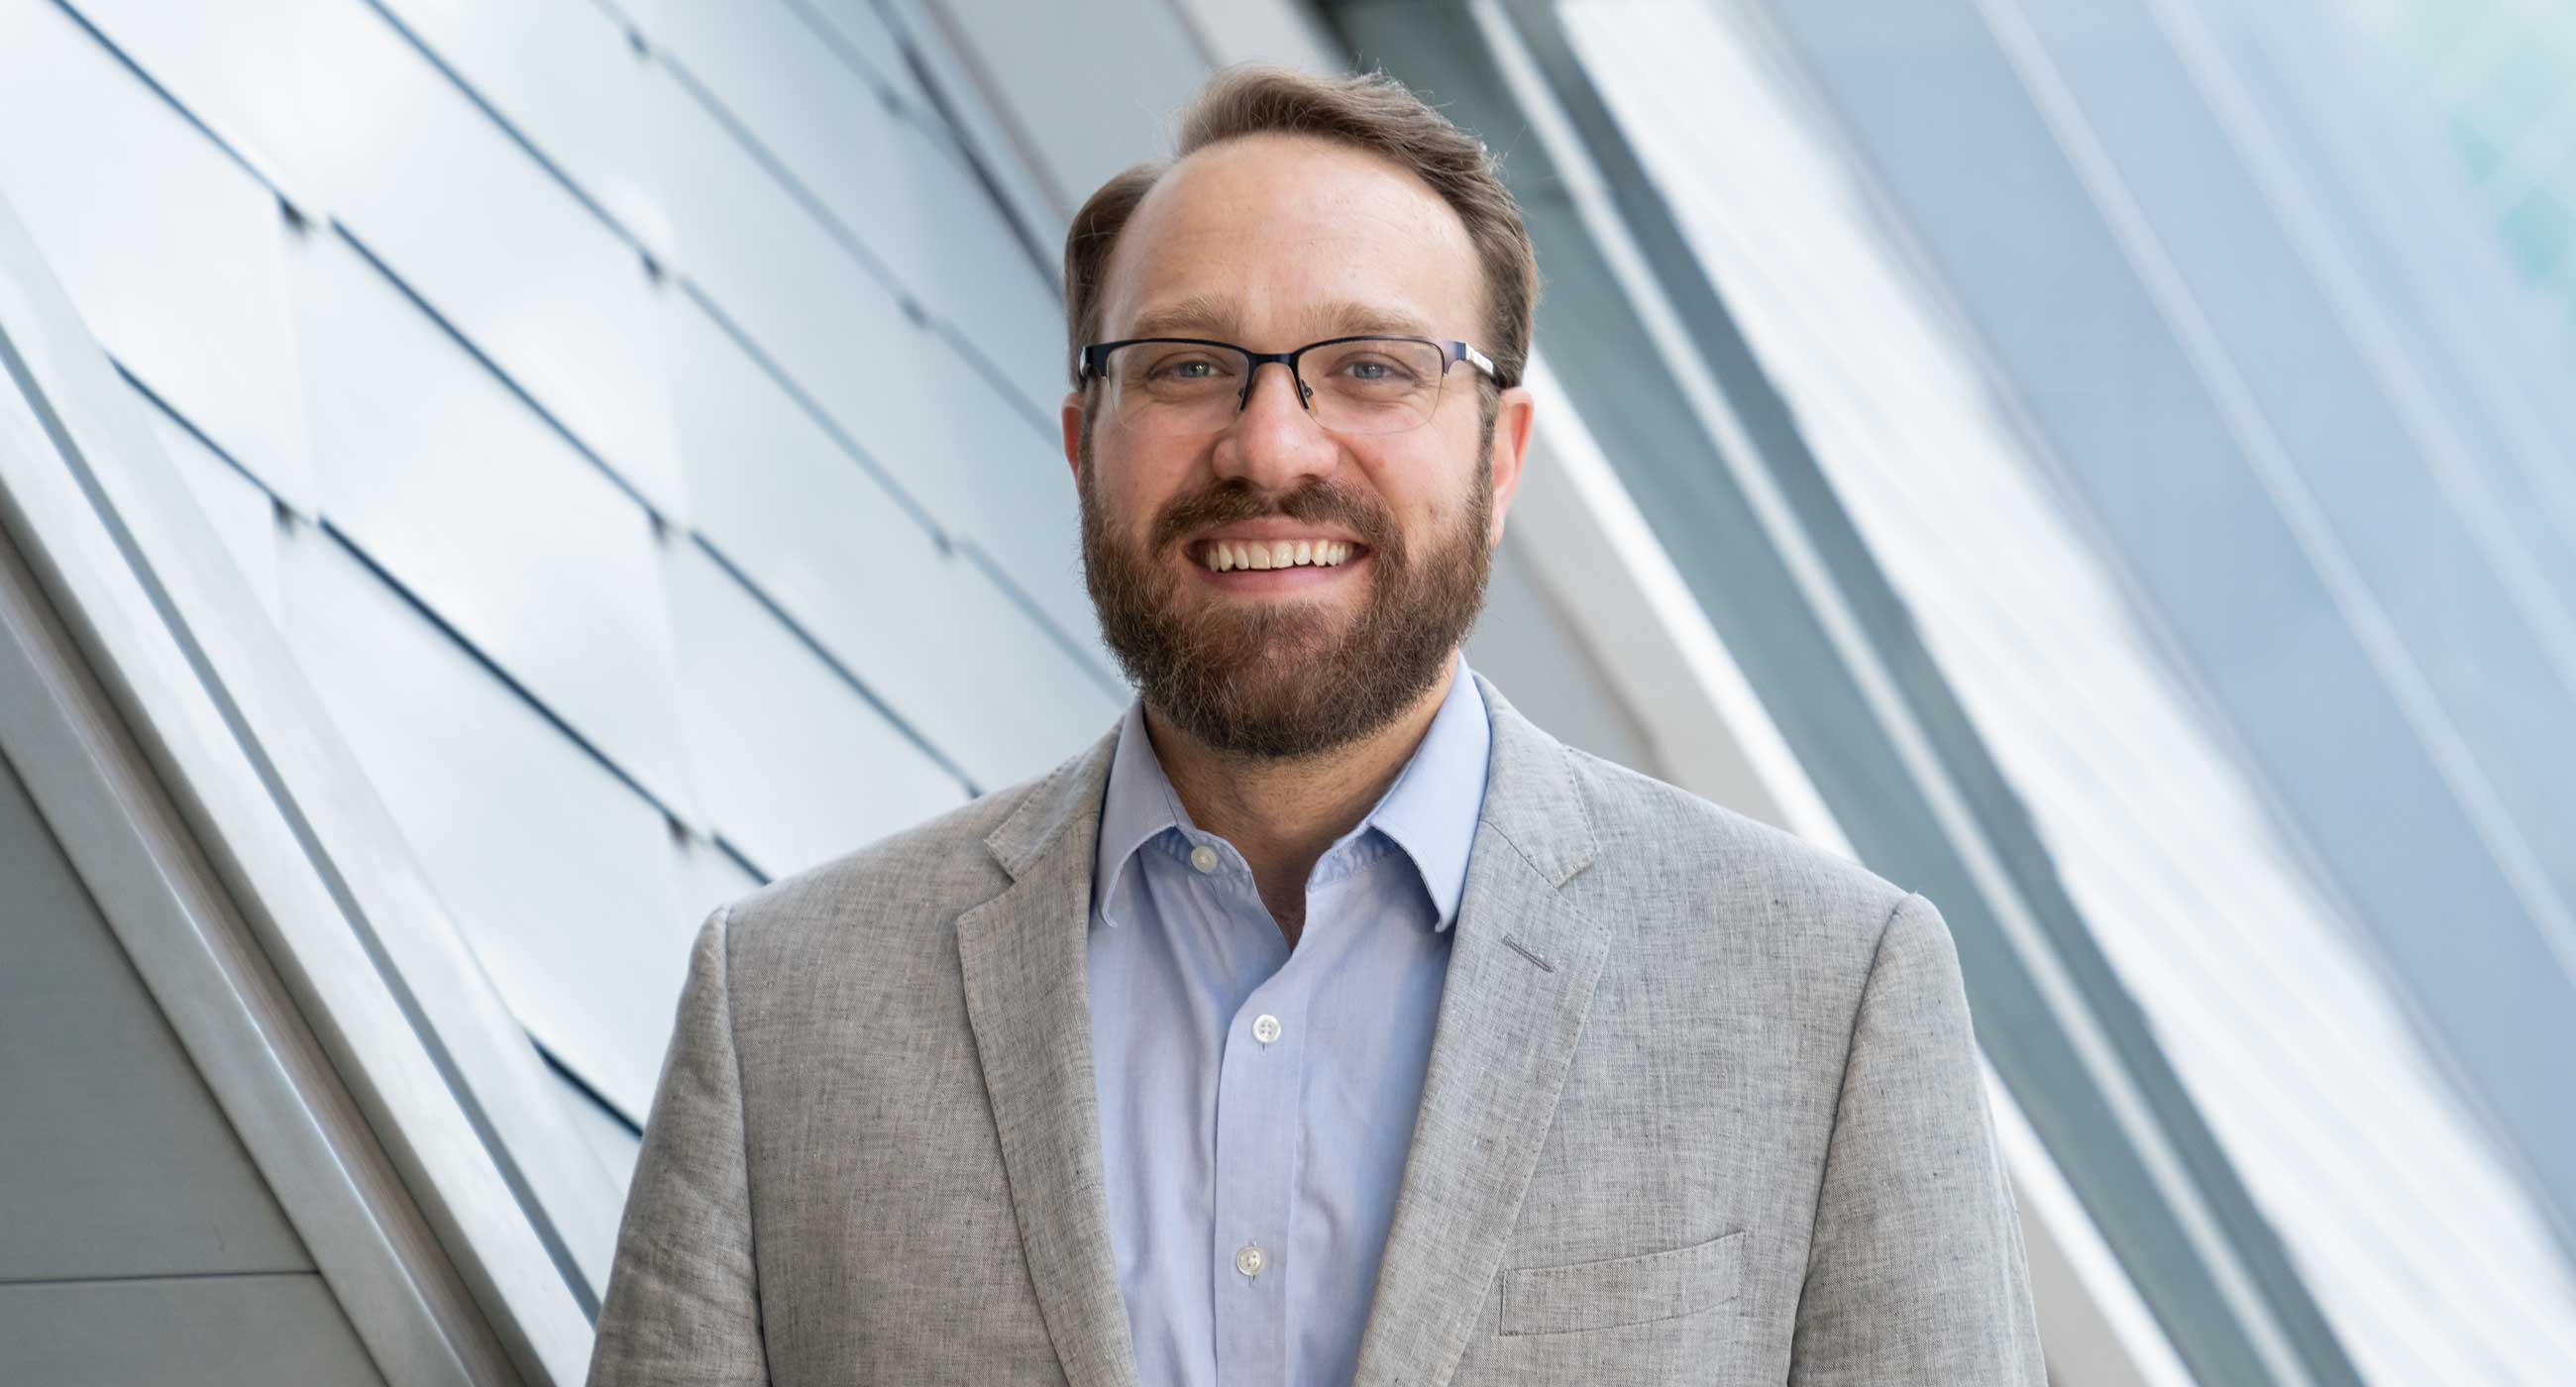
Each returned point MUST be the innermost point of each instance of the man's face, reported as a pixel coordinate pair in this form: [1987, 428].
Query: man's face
[1273, 242]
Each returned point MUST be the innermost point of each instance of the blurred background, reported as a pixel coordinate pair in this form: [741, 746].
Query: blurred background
[484, 481]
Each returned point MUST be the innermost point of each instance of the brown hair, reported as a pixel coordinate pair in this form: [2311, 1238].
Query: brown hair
[1371, 111]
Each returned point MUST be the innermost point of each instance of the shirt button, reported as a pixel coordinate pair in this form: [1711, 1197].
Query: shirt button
[1203, 857]
[1248, 1261]
[1266, 1029]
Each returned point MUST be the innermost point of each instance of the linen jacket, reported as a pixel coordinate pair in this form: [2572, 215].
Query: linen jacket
[1703, 1106]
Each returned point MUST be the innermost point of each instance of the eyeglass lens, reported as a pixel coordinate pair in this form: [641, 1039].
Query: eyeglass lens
[1367, 385]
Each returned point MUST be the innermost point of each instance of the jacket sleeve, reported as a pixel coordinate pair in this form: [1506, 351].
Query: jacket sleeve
[683, 1300]
[1915, 1271]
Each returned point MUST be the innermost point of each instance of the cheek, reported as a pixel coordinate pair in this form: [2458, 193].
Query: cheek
[1135, 489]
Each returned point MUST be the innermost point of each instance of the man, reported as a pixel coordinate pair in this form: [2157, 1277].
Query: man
[1325, 1021]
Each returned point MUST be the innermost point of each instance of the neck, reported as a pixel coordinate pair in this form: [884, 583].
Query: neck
[1282, 814]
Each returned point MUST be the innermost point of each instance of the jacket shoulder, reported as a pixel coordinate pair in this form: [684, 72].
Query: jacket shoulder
[1660, 839]
[932, 870]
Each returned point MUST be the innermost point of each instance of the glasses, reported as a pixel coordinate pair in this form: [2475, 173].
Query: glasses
[1189, 385]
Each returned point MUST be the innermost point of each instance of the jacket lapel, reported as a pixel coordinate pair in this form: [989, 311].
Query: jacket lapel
[1023, 955]
[1521, 974]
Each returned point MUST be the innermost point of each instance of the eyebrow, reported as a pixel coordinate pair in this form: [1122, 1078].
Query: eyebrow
[1206, 313]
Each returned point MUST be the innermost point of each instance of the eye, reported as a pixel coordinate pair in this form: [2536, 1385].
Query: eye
[1376, 370]
[1185, 368]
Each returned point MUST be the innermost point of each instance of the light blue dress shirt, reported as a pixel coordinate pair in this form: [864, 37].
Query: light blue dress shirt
[1256, 1103]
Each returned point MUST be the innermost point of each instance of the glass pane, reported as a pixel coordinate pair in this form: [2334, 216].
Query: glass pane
[2275, 1014]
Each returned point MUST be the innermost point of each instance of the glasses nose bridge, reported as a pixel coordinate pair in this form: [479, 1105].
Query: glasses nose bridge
[1252, 377]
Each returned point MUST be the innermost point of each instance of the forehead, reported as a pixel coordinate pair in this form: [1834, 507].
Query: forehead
[1280, 236]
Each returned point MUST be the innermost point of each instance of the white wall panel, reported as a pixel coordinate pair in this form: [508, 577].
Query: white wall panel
[920, 411]
[564, 76]
[801, 769]
[171, 251]
[244, 516]
[449, 481]
[559, 875]
[883, 180]
[919, 624]
[857, 29]
[490, 239]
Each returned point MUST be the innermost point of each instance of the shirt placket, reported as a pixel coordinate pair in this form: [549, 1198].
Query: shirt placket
[1257, 1126]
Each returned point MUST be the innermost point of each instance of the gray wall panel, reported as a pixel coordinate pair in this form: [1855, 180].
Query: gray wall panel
[226, 1331]
[455, 486]
[117, 1161]
[1525, 645]
[170, 250]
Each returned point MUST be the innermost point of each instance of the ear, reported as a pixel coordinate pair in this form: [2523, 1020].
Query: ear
[1071, 421]
[1512, 415]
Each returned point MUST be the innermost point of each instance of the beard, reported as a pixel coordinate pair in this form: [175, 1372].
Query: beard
[1285, 678]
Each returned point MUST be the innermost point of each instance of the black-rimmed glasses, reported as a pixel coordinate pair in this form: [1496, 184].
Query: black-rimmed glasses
[1362, 385]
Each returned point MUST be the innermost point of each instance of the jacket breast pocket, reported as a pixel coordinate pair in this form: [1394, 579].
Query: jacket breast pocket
[1623, 1290]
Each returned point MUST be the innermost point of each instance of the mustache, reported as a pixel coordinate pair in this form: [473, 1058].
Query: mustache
[1316, 503]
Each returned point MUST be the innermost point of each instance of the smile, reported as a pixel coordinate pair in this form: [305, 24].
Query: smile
[1227, 555]
[1274, 565]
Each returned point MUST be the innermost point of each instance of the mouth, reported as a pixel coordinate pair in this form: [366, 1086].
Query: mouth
[1266, 565]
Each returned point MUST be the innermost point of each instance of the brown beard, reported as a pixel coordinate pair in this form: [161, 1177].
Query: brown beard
[1277, 679]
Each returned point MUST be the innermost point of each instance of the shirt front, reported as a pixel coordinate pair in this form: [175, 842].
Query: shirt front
[1257, 1102]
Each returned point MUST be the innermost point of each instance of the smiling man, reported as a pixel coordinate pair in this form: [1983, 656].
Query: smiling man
[1325, 1021]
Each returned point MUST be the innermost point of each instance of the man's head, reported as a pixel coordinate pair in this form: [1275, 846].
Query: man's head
[1295, 209]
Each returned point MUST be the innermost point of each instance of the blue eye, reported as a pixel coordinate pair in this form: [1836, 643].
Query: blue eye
[1185, 368]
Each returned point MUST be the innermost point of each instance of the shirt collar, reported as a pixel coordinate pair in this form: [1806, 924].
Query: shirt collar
[1430, 811]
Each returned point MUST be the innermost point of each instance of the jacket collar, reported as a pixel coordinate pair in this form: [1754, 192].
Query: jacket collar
[1520, 978]
[1428, 811]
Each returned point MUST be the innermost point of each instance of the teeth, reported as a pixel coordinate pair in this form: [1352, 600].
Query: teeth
[1226, 555]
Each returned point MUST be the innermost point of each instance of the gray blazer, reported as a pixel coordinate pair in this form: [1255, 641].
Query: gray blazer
[1703, 1107]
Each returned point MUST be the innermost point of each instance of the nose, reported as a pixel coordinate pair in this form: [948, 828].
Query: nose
[1274, 441]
